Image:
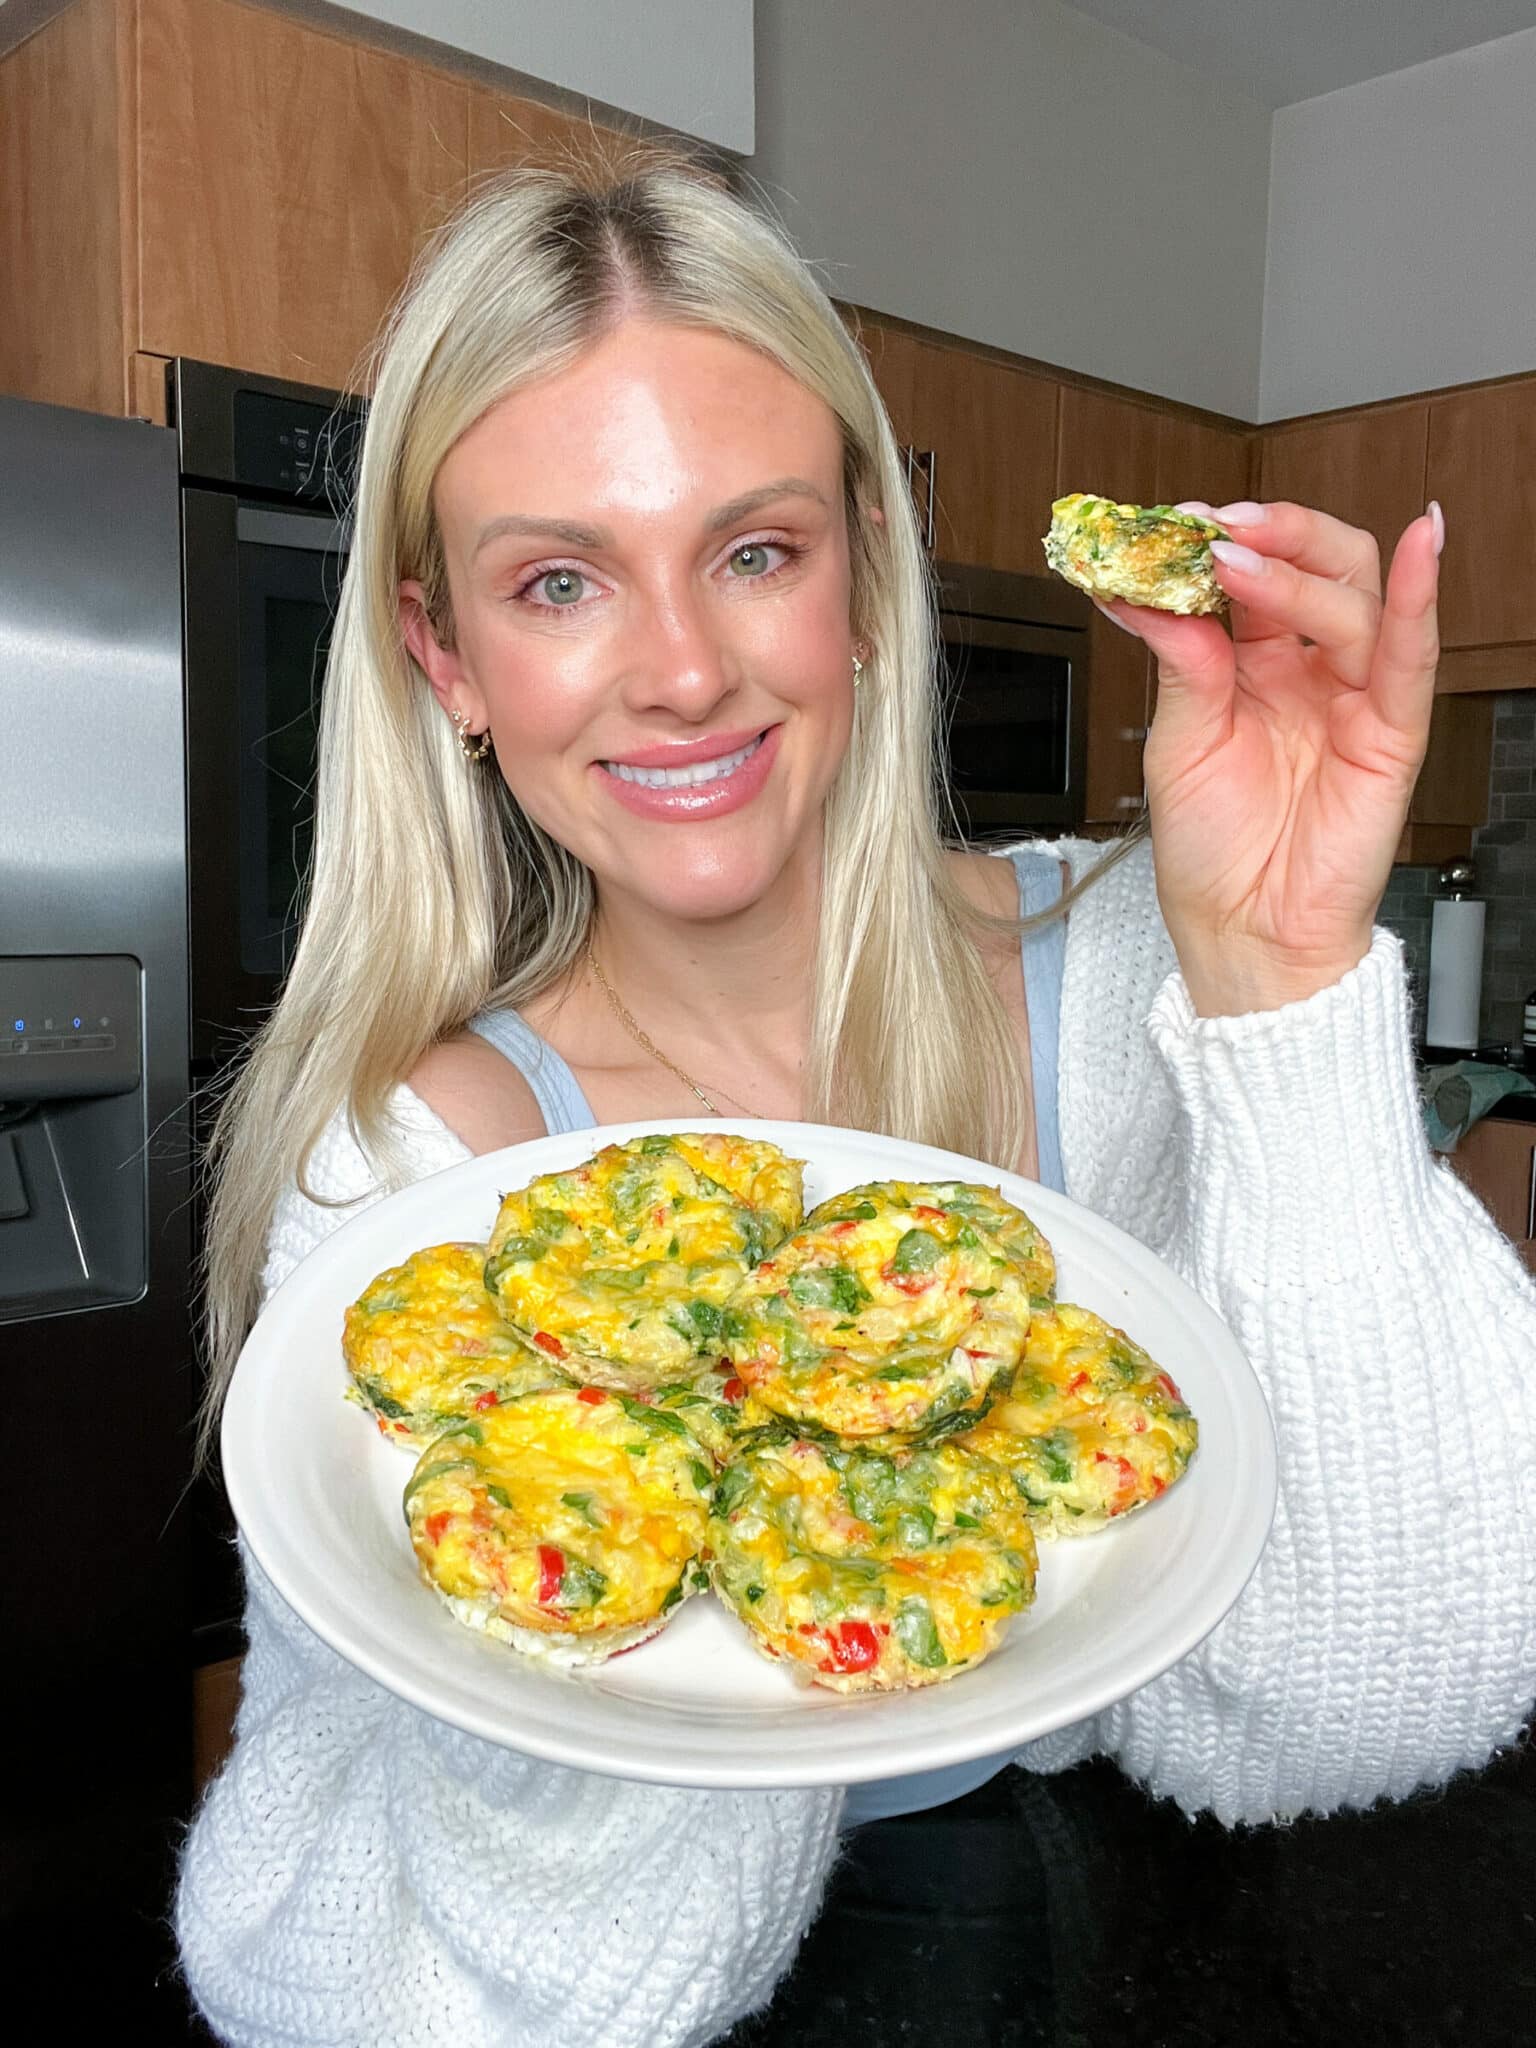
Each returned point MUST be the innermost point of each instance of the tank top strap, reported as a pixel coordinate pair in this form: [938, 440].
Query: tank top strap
[555, 1088]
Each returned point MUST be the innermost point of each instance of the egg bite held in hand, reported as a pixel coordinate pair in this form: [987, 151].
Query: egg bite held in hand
[1150, 555]
[1090, 1426]
[425, 1344]
[619, 1269]
[892, 1315]
[870, 1571]
[568, 1523]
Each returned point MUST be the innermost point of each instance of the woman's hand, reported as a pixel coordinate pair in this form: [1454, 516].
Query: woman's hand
[1280, 761]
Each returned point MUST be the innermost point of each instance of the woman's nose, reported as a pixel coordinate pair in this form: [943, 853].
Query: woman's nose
[675, 661]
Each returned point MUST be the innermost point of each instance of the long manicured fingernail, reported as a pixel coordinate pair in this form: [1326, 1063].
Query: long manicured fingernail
[1233, 555]
[1196, 505]
[1243, 513]
[1437, 521]
[1113, 617]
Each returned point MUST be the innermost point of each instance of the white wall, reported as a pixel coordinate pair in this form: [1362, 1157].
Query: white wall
[686, 64]
[1402, 233]
[1013, 172]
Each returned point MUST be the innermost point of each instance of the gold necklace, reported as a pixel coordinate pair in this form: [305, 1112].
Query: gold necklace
[649, 1045]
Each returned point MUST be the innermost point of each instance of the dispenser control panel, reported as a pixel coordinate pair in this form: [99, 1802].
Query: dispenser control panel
[69, 1025]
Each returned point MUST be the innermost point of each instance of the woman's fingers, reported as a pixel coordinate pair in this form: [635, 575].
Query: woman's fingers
[1309, 540]
[1402, 679]
[1196, 676]
[1274, 596]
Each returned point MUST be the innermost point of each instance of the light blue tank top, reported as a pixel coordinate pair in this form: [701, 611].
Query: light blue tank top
[564, 1108]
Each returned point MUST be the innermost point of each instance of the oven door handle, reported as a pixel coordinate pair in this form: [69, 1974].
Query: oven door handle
[308, 530]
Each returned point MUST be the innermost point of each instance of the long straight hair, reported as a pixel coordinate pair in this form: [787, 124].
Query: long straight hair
[431, 894]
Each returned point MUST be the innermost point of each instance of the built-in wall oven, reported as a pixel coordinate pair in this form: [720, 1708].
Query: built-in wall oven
[1016, 672]
[266, 474]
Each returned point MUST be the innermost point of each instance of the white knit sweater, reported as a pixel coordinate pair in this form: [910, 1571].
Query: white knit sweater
[360, 1875]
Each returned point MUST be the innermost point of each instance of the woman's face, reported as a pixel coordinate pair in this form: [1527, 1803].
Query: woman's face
[647, 559]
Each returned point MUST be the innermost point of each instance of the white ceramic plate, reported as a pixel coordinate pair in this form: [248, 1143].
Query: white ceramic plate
[317, 1492]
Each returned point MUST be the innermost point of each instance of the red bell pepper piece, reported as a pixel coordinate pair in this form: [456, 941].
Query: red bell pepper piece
[551, 1572]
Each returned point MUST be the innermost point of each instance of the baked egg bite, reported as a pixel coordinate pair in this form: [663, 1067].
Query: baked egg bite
[1090, 1426]
[892, 1315]
[567, 1523]
[1147, 554]
[425, 1344]
[1017, 1237]
[619, 1270]
[715, 1406]
[868, 1571]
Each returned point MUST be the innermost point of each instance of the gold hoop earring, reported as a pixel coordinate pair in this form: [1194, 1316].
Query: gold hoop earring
[464, 738]
[858, 671]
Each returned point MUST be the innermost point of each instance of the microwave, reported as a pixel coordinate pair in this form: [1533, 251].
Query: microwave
[1015, 699]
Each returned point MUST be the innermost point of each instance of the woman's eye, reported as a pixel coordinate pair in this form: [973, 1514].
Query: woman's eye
[562, 587]
[751, 558]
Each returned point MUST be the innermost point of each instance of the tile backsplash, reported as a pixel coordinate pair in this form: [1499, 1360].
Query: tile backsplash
[1505, 852]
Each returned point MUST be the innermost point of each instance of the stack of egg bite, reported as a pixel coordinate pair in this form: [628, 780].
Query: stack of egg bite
[661, 1376]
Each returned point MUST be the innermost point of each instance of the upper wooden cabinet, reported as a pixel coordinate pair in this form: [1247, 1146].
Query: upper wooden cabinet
[985, 436]
[286, 180]
[1199, 459]
[198, 177]
[1365, 468]
[1482, 468]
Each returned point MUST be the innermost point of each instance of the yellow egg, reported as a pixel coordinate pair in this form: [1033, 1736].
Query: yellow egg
[618, 1270]
[568, 1522]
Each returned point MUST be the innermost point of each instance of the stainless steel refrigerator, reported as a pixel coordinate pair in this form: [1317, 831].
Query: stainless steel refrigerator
[94, 1231]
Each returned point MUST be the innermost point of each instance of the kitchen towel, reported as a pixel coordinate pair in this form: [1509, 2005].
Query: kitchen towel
[1458, 1096]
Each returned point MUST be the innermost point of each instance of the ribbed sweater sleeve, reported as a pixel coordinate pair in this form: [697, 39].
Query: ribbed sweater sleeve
[360, 1876]
[1388, 1637]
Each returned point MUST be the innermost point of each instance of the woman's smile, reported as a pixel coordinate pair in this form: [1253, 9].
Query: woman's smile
[696, 779]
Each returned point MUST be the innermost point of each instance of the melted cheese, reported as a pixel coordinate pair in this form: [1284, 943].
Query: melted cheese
[1090, 1428]
[869, 1570]
[425, 1344]
[570, 1515]
[893, 1313]
[620, 1269]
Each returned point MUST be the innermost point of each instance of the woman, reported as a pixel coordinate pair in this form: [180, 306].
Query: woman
[625, 810]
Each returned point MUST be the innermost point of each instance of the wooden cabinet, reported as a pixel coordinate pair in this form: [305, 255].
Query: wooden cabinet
[1199, 459]
[1497, 1160]
[504, 131]
[985, 436]
[1482, 468]
[61, 246]
[1110, 446]
[1372, 469]
[286, 179]
[1366, 468]
[198, 177]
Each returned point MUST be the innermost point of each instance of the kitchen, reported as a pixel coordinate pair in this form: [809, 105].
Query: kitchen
[243, 186]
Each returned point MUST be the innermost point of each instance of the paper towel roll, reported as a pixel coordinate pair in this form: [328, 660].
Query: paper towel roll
[1455, 971]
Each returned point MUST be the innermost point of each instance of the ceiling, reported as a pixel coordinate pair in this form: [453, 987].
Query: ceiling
[1279, 51]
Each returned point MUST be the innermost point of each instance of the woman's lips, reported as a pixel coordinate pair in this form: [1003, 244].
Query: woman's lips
[684, 800]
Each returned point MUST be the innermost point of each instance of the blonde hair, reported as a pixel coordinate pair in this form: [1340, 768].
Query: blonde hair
[432, 895]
